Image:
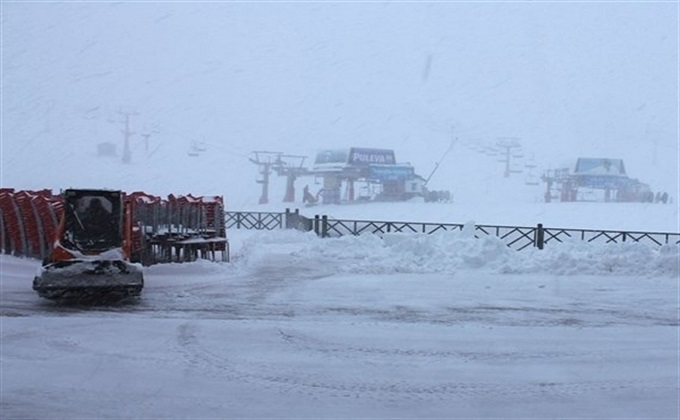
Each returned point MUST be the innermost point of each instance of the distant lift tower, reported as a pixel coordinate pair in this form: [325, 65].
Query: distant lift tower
[289, 166]
[264, 161]
[511, 149]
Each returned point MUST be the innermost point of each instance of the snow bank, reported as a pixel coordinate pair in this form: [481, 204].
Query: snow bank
[581, 257]
[447, 252]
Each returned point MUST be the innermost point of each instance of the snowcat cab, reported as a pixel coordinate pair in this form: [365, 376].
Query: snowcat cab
[91, 253]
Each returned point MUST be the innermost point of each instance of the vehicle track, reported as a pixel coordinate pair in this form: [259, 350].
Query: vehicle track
[379, 383]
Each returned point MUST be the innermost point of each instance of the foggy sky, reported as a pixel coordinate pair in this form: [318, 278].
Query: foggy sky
[569, 79]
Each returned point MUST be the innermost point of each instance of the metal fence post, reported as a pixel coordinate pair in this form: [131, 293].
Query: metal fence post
[324, 226]
[316, 224]
[539, 236]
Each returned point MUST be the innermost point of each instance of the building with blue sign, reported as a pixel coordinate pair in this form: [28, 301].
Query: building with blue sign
[596, 179]
[377, 170]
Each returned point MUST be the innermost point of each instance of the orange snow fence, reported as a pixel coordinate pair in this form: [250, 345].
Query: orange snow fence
[176, 228]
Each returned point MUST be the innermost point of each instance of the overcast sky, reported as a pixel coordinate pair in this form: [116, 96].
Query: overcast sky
[568, 79]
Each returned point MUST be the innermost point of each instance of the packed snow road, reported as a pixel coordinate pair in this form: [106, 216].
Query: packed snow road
[279, 334]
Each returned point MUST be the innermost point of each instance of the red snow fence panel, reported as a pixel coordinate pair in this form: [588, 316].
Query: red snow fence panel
[36, 244]
[172, 229]
[13, 237]
[28, 221]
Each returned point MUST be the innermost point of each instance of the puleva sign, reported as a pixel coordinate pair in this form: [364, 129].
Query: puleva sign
[359, 156]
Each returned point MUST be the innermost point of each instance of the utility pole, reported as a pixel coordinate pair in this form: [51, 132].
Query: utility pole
[127, 154]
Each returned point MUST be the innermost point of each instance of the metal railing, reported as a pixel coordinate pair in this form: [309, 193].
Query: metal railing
[254, 220]
[610, 236]
[515, 237]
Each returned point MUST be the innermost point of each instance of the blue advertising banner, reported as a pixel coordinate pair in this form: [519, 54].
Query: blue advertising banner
[390, 172]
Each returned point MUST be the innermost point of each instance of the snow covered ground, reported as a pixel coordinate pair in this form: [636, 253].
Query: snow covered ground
[406, 326]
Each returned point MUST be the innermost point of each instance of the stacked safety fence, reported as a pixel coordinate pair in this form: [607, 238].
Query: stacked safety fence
[28, 222]
[172, 229]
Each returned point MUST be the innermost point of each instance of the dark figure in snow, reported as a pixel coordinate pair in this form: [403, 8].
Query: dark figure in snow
[664, 197]
[307, 197]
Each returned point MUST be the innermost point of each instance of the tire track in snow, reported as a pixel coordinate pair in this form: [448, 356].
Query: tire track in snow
[378, 387]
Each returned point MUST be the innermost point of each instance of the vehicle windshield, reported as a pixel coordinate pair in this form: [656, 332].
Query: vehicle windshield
[93, 221]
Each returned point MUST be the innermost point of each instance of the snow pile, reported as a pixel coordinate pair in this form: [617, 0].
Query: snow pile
[447, 252]
[579, 257]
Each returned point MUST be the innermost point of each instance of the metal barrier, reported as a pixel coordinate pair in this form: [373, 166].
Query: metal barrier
[333, 227]
[254, 220]
[515, 237]
[611, 236]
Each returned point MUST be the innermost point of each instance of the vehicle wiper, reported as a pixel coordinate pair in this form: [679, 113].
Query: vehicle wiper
[75, 213]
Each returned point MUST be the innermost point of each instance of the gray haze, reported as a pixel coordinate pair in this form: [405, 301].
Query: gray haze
[568, 79]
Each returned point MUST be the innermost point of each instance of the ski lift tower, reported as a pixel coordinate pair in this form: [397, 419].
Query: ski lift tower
[264, 161]
[291, 167]
[511, 149]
